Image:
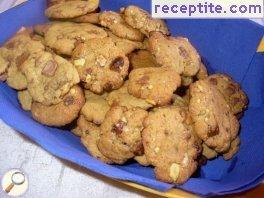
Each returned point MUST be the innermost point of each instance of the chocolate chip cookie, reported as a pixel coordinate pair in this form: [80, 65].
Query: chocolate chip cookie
[175, 52]
[154, 84]
[120, 137]
[214, 121]
[50, 77]
[62, 113]
[64, 36]
[141, 20]
[170, 145]
[101, 65]
[71, 9]
[236, 98]
[115, 22]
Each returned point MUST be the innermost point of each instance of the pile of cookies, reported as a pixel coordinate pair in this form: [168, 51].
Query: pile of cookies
[130, 89]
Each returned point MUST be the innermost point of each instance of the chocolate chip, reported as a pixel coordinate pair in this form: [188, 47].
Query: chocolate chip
[50, 68]
[117, 64]
[118, 127]
[139, 150]
[213, 133]
[202, 160]
[21, 59]
[69, 100]
[183, 52]
[230, 90]
[213, 81]
[143, 80]
[108, 87]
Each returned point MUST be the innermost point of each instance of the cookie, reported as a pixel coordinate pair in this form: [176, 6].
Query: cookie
[101, 65]
[208, 152]
[170, 145]
[62, 113]
[233, 149]
[154, 84]
[64, 36]
[175, 52]
[115, 22]
[120, 137]
[125, 45]
[88, 18]
[141, 20]
[202, 73]
[121, 97]
[50, 77]
[142, 59]
[71, 9]
[25, 100]
[214, 121]
[90, 134]
[95, 107]
[20, 47]
[236, 98]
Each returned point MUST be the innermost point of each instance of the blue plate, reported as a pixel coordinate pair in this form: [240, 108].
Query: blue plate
[227, 46]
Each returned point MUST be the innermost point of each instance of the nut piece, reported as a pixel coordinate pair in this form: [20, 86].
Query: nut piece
[49, 68]
[174, 171]
[117, 64]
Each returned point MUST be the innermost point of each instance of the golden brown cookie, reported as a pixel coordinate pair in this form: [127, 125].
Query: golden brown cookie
[50, 77]
[62, 113]
[95, 107]
[71, 9]
[64, 36]
[121, 97]
[101, 65]
[90, 134]
[236, 98]
[155, 85]
[214, 121]
[120, 137]
[142, 59]
[141, 20]
[170, 145]
[25, 99]
[175, 52]
[115, 22]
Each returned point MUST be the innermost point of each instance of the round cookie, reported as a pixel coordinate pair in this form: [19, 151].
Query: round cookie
[125, 45]
[141, 20]
[121, 97]
[142, 59]
[62, 113]
[170, 145]
[88, 18]
[101, 65]
[214, 121]
[233, 149]
[154, 84]
[71, 9]
[64, 36]
[120, 137]
[236, 98]
[95, 107]
[202, 73]
[118, 26]
[50, 77]
[177, 53]
[25, 100]
[90, 134]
